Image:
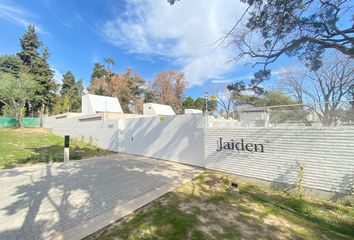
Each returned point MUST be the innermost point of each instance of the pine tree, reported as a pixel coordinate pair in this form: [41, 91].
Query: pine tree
[200, 104]
[29, 47]
[99, 71]
[99, 80]
[70, 94]
[188, 103]
[37, 65]
[68, 83]
[45, 95]
[78, 91]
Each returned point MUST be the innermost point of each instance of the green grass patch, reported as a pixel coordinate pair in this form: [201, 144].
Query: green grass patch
[205, 208]
[29, 146]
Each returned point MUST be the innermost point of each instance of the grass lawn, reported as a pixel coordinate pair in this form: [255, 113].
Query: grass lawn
[206, 209]
[34, 145]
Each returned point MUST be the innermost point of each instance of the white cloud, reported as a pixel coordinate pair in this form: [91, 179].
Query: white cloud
[15, 14]
[222, 81]
[181, 33]
[244, 78]
[58, 76]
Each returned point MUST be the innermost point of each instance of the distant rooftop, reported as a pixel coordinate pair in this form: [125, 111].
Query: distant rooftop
[157, 109]
[92, 104]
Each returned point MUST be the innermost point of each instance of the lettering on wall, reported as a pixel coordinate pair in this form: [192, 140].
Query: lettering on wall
[241, 145]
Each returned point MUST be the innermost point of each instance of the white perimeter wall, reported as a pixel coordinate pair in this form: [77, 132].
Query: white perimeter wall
[327, 154]
[177, 138]
[105, 134]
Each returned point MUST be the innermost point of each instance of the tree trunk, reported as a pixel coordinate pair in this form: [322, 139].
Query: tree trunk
[21, 118]
[41, 115]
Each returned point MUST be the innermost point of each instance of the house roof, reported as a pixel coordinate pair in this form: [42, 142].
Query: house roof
[157, 109]
[95, 104]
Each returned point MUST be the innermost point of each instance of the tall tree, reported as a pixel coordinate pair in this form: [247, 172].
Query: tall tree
[225, 100]
[78, 91]
[99, 80]
[129, 89]
[37, 65]
[30, 45]
[68, 83]
[324, 90]
[188, 103]
[109, 61]
[99, 71]
[293, 28]
[15, 91]
[268, 30]
[302, 28]
[199, 103]
[70, 95]
[43, 74]
[169, 87]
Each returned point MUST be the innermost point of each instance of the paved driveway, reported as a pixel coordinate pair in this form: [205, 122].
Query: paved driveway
[70, 201]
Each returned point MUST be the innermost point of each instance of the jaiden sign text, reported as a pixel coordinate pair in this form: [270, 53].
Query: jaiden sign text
[241, 145]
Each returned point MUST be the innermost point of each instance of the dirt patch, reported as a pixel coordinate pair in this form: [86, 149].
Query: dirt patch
[205, 209]
[211, 229]
[213, 180]
[31, 130]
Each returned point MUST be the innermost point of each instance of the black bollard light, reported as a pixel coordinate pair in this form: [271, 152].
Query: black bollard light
[66, 148]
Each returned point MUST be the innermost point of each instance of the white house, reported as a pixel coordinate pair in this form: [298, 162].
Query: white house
[92, 104]
[155, 109]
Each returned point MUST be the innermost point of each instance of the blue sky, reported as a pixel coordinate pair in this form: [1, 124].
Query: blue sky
[149, 36]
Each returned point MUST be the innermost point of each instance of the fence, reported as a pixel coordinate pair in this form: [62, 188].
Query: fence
[322, 114]
[339, 113]
[11, 122]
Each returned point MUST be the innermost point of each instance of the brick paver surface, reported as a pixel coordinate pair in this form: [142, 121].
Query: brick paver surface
[41, 201]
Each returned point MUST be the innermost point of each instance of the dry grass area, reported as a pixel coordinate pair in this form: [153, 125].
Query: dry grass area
[26, 146]
[206, 209]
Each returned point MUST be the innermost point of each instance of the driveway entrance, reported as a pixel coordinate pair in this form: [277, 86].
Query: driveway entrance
[58, 201]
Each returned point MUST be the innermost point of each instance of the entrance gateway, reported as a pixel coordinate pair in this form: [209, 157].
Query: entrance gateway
[255, 150]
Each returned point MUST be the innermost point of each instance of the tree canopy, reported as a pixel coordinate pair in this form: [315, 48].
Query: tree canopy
[188, 103]
[199, 103]
[169, 87]
[36, 64]
[70, 95]
[301, 28]
[127, 87]
[29, 47]
[323, 90]
[15, 91]
[10, 64]
[268, 30]
[68, 83]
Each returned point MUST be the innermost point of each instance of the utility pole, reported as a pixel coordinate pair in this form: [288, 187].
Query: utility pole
[206, 114]
[206, 97]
